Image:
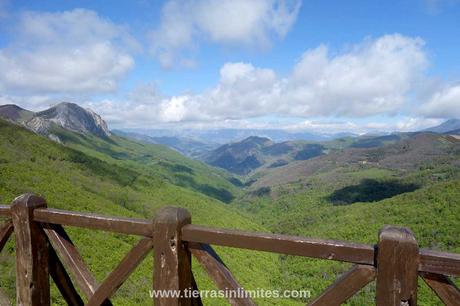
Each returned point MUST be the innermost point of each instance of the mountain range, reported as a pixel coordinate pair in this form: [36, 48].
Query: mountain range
[253, 152]
[449, 126]
[345, 189]
[226, 135]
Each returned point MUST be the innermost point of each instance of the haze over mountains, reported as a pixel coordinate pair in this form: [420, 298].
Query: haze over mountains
[223, 136]
[344, 188]
[240, 151]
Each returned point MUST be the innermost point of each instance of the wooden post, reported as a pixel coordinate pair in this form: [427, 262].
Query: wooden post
[172, 264]
[32, 276]
[397, 265]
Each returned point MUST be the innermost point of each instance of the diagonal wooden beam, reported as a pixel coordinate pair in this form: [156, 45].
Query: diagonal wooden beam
[121, 273]
[219, 273]
[5, 232]
[63, 281]
[196, 301]
[72, 259]
[444, 288]
[346, 286]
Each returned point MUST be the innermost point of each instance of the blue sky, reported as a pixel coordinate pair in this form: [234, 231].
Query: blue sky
[313, 65]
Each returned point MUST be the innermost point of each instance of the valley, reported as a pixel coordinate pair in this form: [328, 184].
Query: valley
[345, 188]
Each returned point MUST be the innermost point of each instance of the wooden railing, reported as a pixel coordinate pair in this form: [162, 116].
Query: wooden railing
[43, 249]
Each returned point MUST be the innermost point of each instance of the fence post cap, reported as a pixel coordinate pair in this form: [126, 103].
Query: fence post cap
[29, 200]
[171, 214]
[396, 233]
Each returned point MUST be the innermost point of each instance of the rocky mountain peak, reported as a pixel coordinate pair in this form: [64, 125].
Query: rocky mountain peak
[72, 117]
[69, 116]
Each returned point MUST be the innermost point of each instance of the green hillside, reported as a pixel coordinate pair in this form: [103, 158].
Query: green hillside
[122, 178]
[336, 198]
[348, 194]
[157, 161]
[254, 153]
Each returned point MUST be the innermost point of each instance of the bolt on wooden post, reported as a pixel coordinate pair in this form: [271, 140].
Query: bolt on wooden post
[397, 267]
[32, 276]
[172, 263]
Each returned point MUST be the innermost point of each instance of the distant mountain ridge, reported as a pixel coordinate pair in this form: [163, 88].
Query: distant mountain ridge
[445, 127]
[186, 146]
[244, 156]
[68, 116]
[411, 153]
[15, 113]
[226, 135]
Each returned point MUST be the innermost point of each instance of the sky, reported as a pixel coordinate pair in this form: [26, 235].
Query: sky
[319, 66]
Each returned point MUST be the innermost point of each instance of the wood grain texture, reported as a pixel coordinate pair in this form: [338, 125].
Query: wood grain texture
[121, 273]
[219, 273]
[32, 275]
[5, 211]
[439, 262]
[63, 281]
[284, 244]
[397, 264]
[6, 230]
[172, 262]
[72, 259]
[444, 288]
[130, 226]
[346, 286]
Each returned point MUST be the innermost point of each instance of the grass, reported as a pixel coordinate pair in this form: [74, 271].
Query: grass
[120, 177]
[90, 180]
[309, 208]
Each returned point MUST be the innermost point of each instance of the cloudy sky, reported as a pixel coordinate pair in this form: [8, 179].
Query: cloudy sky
[325, 66]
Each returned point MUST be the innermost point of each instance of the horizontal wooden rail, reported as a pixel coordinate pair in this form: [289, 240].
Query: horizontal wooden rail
[5, 211]
[283, 244]
[430, 261]
[439, 262]
[130, 226]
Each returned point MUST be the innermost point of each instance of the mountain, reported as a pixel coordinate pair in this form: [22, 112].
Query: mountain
[447, 126]
[223, 136]
[454, 132]
[327, 190]
[15, 113]
[351, 193]
[254, 152]
[416, 151]
[69, 116]
[116, 176]
[187, 146]
[240, 157]
[374, 141]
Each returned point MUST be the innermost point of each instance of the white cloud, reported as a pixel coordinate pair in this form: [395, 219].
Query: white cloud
[74, 51]
[29, 102]
[231, 22]
[444, 103]
[361, 126]
[374, 77]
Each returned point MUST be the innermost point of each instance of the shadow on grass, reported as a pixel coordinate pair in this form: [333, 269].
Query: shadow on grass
[370, 190]
[220, 194]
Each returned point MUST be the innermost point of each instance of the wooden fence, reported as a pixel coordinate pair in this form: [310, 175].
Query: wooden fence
[43, 249]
